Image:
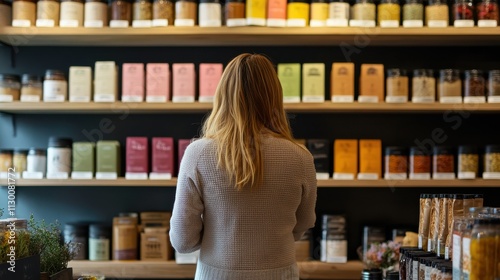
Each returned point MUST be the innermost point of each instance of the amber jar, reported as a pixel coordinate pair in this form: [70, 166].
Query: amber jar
[186, 12]
[163, 10]
[5, 13]
[396, 163]
[142, 10]
[234, 12]
[23, 13]
[443, 161]
[420, 163]
[10, 87]
[5, 160]
[48, 10]
[120, 10]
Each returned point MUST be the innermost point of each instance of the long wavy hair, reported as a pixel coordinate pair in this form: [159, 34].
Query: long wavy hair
[248, 103]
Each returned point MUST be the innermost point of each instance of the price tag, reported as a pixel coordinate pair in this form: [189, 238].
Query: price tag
[368, 176]
[136, 176]
[118, 23]
[21, 23]
[389, 23]
[30, 98]
[395, 176]
[493, 99]
[463, 23]
[79, 99]
[58, 175]
[32, 175]
[451, 99]
[296, 22]
[443, 176]
[474, 99]
[141, 23]
[80, 175]
[160, 176]
[256, 21]
[4, 175]
[6, 98]
[317, 23]
[210, 23]
[106, 176]
[45, 23]
[367, 99]
[54, 98]
[337, 22]
[420, 176]
[413, 23]
[322, 176]
[159, 22]
[343, 176]
[361, 23]
[343, 99]
[437, 23]
[93, 23]
[183, 99]
[491, 175]
[396, 99]
[313, 99]
[487, 23]
[68, 23]
[104, 98]
[131, 98]
[234, 22]
[183, 22]
[207, 99]
[291, 99]
[466, 175]
[156, 99]
[420, 99]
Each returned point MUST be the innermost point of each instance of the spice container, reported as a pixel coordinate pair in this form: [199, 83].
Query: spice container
[120, 13]
[487, 13]
[420, 164]
[71, 13]
[297, 13]
[396, 163]
[463, 13]
[23, 13]
[483, 249]
[443, 162]
[36, 162]
[319, 13]
[413, 13]
[397, 86]
[5, 160]
[210, 13]
[234, 12]
[19, 160]
[450, 86]
[10, 87]
[31, 89]
[47, 13]
[388, 13]
[99, 242]
[494, 86]
[468, 162]
[77, 233]
[424, 220]
[256, 12]
[125, 238]
[186, 12]
[436, 13]
[276, 13]
[55, 86]
[363, 14]
[163, 12]
[474, 87]
[96, 13]
[338, 13]
[423, 86]
[5, 13]
[59, 158]
[142, 13]
[492, 162]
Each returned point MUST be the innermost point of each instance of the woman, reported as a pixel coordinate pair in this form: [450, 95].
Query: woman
[246, 191]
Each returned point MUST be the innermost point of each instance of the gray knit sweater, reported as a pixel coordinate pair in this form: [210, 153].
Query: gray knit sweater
[247, 234]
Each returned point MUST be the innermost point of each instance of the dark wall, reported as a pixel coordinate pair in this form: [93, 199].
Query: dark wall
[363, 206]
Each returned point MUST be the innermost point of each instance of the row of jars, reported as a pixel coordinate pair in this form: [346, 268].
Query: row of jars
[146, 13]
[415, 264]
[420, 164]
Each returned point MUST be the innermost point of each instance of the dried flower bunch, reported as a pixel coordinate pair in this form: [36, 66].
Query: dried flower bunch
[382, 255]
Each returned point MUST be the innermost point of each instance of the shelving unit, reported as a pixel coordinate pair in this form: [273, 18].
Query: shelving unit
[169, 269]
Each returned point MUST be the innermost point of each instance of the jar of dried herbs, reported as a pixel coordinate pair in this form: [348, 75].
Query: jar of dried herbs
[420, 163]
[423, 86]
[468, 162]
[443, 163]
[413, 10]
[450, 86]
[396, 163]
[474, 87]
[492, 162]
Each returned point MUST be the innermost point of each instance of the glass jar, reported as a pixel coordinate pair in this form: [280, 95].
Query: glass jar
[338, 12]
[474, 86]
[458, 228]
[465, 263]
[23, 13]
[443, 162]
[492, 162]
[413, 10]
[487, 10]
[388, 13]
[436, 13]
[36, 161]
[319, 13]
[77, 233]
[397, 86]
[297, 13]
[463, 10]
[10, 87]
[415, 263]
[445, 272]
[99, 242]
[59, 158]
[96, 13]
[450, 86]
[420, 164]
[468, 162]
[364, 10]
[19, 160]
[163, 10]
[55, 86]
[71, 13]
[186, 12]
[396, 163]
[392, 275]
[423, 86]
[5, 160]
[142, 10]
[483, 249]
[120, 13]
[234, 13]
[31, 89]
[5, 13]
[494, 85]
[210, 13]
[371, 274]
[47, 13]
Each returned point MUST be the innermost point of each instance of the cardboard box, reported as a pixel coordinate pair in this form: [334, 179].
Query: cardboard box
[183, 82]
[345, 159]
[320, 150]
[137, 156]
[210, 75]
[289, 76]
[80, 84]
[108, 156]
[105, 81]
[157, 82]
[155, 216]
[162, 157]
[83, 157]
[342, 82]
[371, 83]
[313, 82]
[370, 159]
[125, 238]
[156, 247]
[133, 82]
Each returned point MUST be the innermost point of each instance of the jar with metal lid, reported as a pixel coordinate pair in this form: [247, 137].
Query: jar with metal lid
[371, 274]
[31, 89]
[163, 12]
[413, 10]
[19, 160]
[142, 10]
[397, 86]
[463, 10]
[297, 13]
[47, 13]
[99, 242]
[23, 13]
[59, 158]
[77, 233]
[186, 12]
[494, 86]
[396, 163]
[364, 10]
[468, 162]
[210, 13]
[423, 261]
[96, 13]
[10, 87]
[392, 275]
[120, 13]
[319, 13]
[72, 13]
[443, 162]
[483, 249]
[234, 13]
[415, 263]
[420, 164]
[474, 86]
[423, 86]
[436, 13]
[5, 160]
[388, 13]
[487, 10]
[55, 86]
[5, 13]
[36, 162]
[492, 162]
[450, 86]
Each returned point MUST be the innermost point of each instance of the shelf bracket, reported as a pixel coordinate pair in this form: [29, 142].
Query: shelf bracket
[11, 118]
[12, 53]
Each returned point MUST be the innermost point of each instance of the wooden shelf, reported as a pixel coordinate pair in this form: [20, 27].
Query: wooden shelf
[196, 107]
[247, 36]
[171, 270]
[330, 183]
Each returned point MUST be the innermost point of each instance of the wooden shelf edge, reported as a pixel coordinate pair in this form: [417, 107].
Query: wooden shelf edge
[120, 182]
[169, 269]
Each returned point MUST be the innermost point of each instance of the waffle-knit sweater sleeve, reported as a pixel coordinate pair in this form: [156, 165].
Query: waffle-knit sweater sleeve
[306, 216]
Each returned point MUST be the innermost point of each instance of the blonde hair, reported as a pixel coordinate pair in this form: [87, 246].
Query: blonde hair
[248, 103]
